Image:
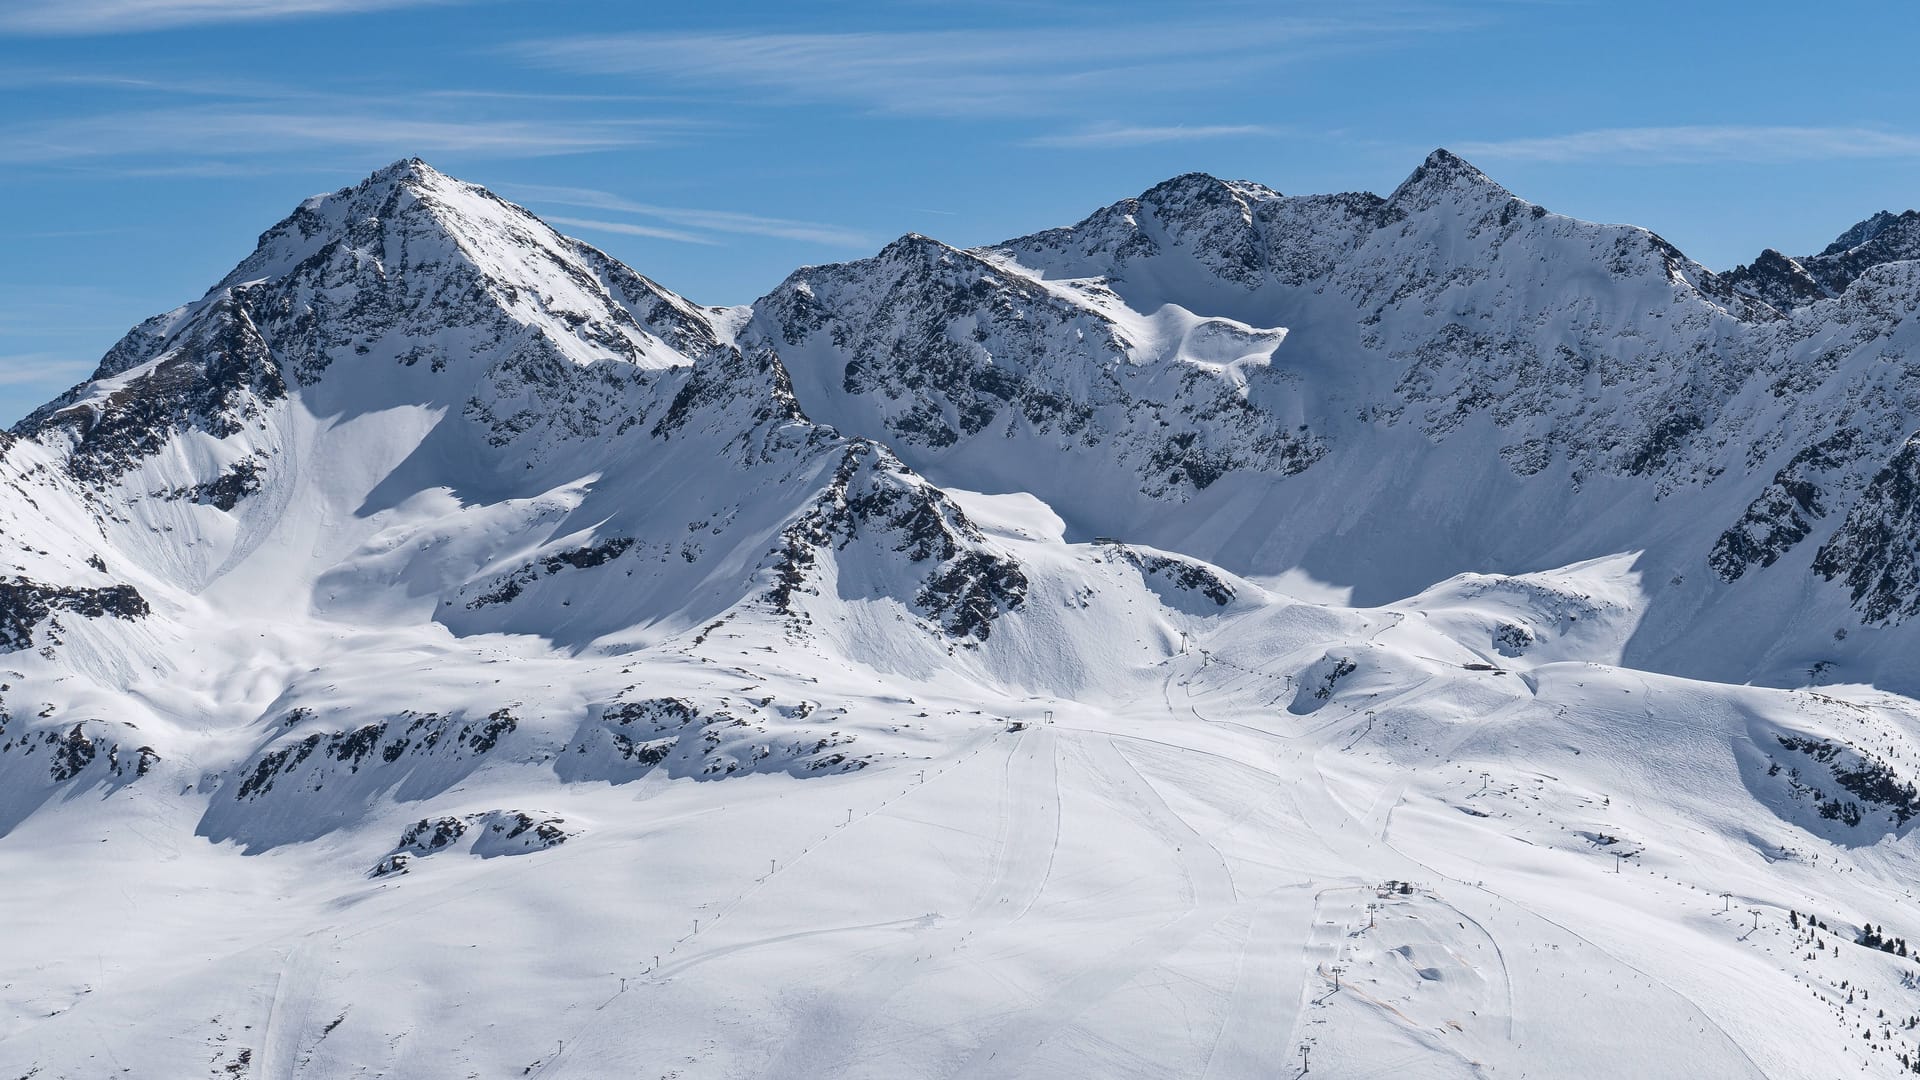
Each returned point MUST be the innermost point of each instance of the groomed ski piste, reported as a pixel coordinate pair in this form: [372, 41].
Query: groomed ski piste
[484, 733]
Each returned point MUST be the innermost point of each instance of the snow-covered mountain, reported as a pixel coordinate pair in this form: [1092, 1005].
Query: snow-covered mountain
[1235, 627]
[1445, 380]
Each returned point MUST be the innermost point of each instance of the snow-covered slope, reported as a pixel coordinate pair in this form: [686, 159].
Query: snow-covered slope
[1235, 631]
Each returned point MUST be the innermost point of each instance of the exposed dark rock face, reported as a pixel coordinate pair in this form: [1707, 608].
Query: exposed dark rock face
[970, 592]
[641, 734]
[1512, 639]
[1873, 784]
[499, 832]
[1341, 669]
[1315, 686]
[1785, 283]
[873, 497]
[1883, 238]
[71, 750]
[24, 603]
[236, 482]
[215, 376]
[1876, 550]
[1776, 280]
[728, 737]
[538, 833]
[726, 376]
[1783, 514]
[431, 834]
[1185, 574]
[511, 584]
[422, 736]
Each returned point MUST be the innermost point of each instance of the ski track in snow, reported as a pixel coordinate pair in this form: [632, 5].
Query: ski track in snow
[832, 1040]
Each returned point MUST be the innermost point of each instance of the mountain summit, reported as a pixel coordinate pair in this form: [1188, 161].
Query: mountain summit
[1347, 623]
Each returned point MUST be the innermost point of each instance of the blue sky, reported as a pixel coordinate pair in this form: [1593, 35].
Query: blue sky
[145, 143]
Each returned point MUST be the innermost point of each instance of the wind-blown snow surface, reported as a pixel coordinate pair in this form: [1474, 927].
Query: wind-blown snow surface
[1237, 631]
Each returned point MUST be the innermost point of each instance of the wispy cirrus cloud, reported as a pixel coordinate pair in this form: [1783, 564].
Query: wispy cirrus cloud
[961, 72]
[203, 132]
[1701, 144]
[627, 228]
[691, 222]
[43, 77]
[81, 17]
[1115, 137]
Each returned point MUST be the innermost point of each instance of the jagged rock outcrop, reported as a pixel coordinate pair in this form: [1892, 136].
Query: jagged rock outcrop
[25, 604]
[1876, 551]
[1786, 283]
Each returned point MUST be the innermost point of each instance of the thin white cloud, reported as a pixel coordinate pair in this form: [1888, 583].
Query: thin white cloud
[1701, 144]
[42, 369]
[960, 72]
[1107, 137]
[720, 221]
[189, 134]
[626, 228]
[538, 97]
[79, 17]
[41, 77]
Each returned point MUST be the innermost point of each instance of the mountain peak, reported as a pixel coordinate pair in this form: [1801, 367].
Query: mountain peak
[407, 168]
[415, 199]
[407, 172]
[1866, 231]
[1198, 188]
[1185, 182]
[1777, 280]
[1445, 174]
[1446, 161]
[1884, 238]
[916, 247]
[409, 265]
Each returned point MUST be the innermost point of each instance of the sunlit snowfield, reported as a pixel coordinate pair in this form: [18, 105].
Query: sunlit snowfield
[1166, 878]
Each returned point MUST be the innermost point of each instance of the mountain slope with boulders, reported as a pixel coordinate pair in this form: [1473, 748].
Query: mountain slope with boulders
[1420, 627]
